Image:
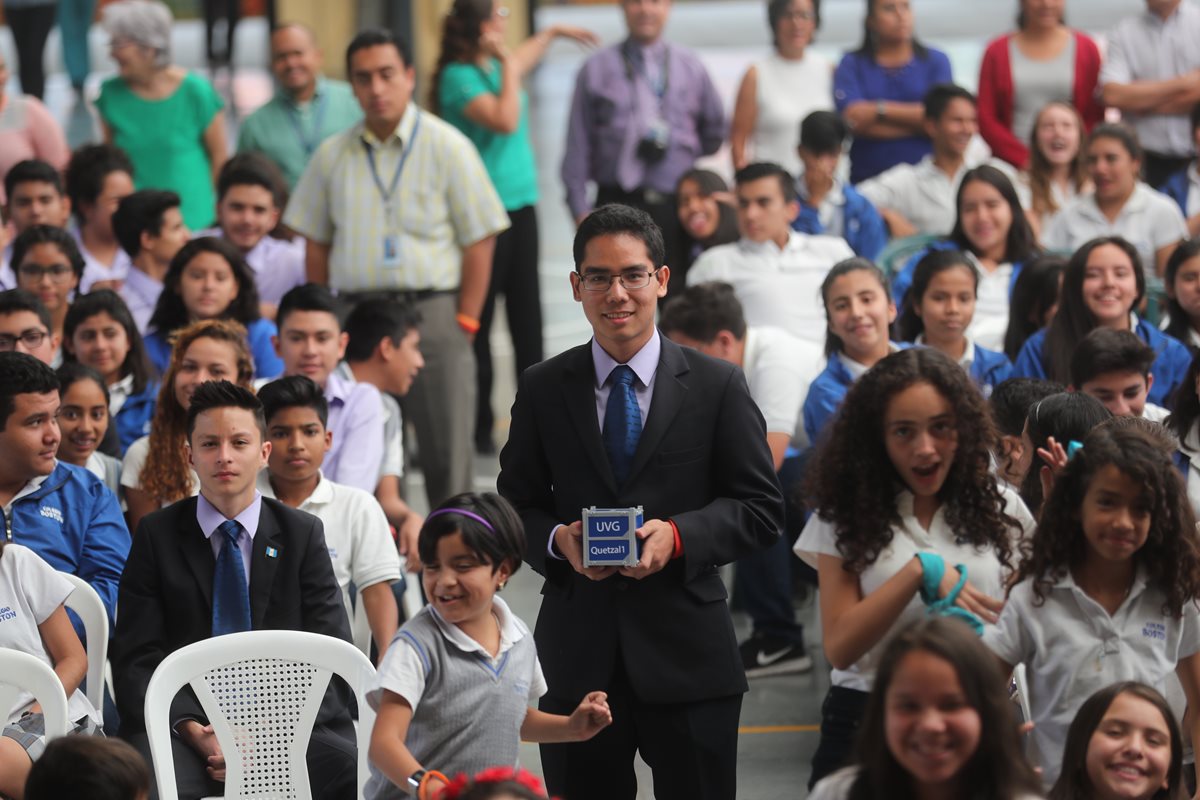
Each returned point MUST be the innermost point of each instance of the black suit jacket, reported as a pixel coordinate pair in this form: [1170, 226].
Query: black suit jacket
[165, 599]
[703, 462]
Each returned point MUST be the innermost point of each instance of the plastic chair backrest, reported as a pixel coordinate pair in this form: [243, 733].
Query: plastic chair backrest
[88, 606]
[899, 251]
[23, 672]
[261, 691]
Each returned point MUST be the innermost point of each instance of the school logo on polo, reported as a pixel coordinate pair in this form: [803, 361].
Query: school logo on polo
[1155, 630]
[50, 512]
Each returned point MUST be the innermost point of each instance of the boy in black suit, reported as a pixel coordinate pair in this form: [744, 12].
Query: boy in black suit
[633, 419]
[226, 561]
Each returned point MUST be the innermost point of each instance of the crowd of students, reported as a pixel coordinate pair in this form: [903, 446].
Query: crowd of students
[978, 404]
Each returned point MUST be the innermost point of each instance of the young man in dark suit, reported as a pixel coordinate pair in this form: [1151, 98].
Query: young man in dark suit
[226, 561]
[633, 419]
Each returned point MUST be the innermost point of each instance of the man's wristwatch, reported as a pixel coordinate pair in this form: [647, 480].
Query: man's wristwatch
[415, 779]
[881, 110]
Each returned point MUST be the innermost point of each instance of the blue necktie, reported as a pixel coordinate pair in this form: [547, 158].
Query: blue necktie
[622, 422]
[231, 597]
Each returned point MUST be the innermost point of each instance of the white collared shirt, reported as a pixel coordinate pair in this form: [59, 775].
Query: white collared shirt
[356, 533]
[778, 287]
[1149, 220]
[983, 567]
[118, 393]
[1145, 47]
[403, 671]
[1072, 648]
[779, 369]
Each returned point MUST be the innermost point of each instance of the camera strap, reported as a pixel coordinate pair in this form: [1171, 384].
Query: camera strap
[635, 65]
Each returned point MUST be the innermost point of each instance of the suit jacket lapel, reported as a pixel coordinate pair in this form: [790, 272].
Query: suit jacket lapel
[579, 390]
[669, 394]
[197, 550]
[262, 566]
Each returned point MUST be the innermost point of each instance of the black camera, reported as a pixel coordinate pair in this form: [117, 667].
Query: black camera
[653, 144]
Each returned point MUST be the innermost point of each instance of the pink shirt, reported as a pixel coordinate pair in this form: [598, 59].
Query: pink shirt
[28, 130]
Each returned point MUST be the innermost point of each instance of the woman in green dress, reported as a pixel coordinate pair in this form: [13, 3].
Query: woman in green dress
[476, 87]
[170, 121]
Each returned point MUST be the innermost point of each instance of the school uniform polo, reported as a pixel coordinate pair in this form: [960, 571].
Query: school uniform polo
[356, 532]
[468, 706]
[1149, 220]
[1072, 648]
[987, 368]
[778, 287]
[984, 570]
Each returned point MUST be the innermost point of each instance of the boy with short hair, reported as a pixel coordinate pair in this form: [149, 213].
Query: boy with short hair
[356, 530]
[1114, 367]
[34, 196]
[384, 350]
[63, 513]
[921, 198]
[1010, 403]
[827, 204]
[25, 326]
[149, 225]
[777, 271]
[311, 342]
[249, 202]
[225, 561]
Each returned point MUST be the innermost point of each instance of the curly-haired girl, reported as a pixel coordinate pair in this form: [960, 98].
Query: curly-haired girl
[1108, 590]
[156, 470]
[902, 491]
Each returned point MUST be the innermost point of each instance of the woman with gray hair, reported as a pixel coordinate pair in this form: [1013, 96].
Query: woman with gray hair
[170, 121]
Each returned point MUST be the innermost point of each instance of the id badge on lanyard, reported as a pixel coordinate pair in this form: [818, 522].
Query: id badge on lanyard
[392, 246]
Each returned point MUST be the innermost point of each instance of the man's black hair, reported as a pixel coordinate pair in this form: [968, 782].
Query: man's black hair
[141, 212]
[376, 37]
[294, 391]
[223, 394]
[615, 219]
[766, 169]
[15, 300]
[371, 321]
[703, 311]
[1104, 350]
[308, 297]
[31, 170]
[940, 96]
[87, 170]
[23, 374]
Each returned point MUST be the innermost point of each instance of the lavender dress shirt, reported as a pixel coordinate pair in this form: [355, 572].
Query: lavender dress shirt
[615, 104]
[356, 420]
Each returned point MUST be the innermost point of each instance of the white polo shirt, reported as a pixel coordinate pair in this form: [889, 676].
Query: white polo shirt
[356, 532]
[778, 287]
[1149, 220]
[984, 570]
[779, 368]
[1072, 648]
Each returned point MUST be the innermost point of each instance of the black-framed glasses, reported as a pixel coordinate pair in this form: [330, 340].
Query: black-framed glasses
[630, 279]
[59, 273]
[31, 338]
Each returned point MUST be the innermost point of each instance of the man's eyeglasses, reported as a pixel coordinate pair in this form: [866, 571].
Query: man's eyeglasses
[601, 281]
[31, 338]
[59, 273]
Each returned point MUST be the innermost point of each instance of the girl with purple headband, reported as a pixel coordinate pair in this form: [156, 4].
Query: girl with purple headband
[454, 690]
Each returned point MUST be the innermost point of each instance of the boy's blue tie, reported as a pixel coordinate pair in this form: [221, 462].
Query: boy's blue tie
[231, 597]
[622, 423]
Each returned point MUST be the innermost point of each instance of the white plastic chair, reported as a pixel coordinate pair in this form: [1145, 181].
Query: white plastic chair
[23, 672]
[88, 606]
[261, 691]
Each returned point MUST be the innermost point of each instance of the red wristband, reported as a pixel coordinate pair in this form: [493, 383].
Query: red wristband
[678, 551]
[468, 324]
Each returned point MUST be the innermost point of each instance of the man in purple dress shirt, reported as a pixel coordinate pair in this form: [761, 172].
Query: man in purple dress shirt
[644, 110]
[149, 227]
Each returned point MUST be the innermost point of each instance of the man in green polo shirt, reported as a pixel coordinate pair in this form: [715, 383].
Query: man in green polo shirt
[306, 110]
